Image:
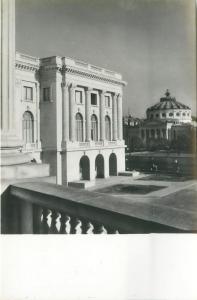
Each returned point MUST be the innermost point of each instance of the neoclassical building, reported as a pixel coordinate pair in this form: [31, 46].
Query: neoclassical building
[162, 116]
[165, 120]
[71, 116]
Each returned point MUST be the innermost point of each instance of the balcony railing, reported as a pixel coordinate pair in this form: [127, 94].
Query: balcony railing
[112, 143]
[99, 143]
[29, 146]
[43, 208]
[84, 144]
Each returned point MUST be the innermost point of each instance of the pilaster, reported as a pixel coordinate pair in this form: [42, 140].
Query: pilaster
[72, 112]
[119, 113]
[114, 116]
[102, 115]
[88, 113]
[65, 112]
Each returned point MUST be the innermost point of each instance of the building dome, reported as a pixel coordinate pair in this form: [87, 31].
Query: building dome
[169, 108]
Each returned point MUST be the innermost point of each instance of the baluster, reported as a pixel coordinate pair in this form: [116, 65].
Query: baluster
[63, 220]
[86, 225]
[111, 230]
[44, 223]
[98, 228]
[53, 228]
[74, 222]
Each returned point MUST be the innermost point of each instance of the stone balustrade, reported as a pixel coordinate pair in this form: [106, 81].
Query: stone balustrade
[84, 144]
[94, 144]
[44, 208]
[30, 146]
[98, 143]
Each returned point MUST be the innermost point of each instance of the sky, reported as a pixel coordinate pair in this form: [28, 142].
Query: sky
[150, 42]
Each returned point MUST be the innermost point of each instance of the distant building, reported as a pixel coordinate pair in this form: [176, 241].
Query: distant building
[70, 116]
[165, 122]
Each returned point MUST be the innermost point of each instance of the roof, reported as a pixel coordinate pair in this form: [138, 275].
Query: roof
[168, 102]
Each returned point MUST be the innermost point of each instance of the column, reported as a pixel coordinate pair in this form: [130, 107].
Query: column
[65, 112]
[119, 113]
[72, 112]
[114, 116]
[102, 115]
[38, 114]
[167, 137]
[9, 135]
[88, 113]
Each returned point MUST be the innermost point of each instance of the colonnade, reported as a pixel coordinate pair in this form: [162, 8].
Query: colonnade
[68, 113]
[154, 133]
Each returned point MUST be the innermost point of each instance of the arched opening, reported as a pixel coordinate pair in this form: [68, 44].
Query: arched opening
[84, 168]
[112, 165]
[99, 166]
[107, 128]
[28, 127]
[94, 128]
[79, 127]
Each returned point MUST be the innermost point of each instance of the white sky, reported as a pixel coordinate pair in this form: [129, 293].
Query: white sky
[151, 42]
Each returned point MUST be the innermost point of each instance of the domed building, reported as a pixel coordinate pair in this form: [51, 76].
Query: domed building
[165, 121]
[169, 109]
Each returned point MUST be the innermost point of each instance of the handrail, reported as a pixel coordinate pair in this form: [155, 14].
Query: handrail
[32, 206]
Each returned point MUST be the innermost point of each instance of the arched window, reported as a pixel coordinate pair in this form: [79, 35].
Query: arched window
[94, 128]
[107, 128]
[28, 127]
[79, 127]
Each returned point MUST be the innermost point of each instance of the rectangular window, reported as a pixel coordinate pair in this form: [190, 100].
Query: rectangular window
[107, 101]
[46, 94]
[28, 93]
[78, 97]
[93, 99]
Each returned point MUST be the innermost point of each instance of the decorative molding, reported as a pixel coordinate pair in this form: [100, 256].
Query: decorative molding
[51, 68]
[94, 76]
[18, 81]
[26, 67]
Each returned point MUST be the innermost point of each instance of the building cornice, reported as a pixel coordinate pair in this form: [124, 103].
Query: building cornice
[92, 75]
[26, 67]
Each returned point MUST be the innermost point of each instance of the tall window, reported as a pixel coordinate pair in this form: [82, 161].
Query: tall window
[93, 99]
[46, 94]
[28, 127]
[94, 128]
[78, 97]
[107, 101]
[79, 127]
[28, 93]
[107, 128]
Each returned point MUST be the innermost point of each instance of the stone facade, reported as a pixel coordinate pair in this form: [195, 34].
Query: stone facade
[70, 116]
[81, 108]
[27, 94]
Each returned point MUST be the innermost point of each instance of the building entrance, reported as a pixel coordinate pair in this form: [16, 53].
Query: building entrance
[112, 165]
[99, 166]
[84, 167]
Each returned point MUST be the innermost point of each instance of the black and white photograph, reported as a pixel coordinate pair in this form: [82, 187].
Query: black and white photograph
[98, 123]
